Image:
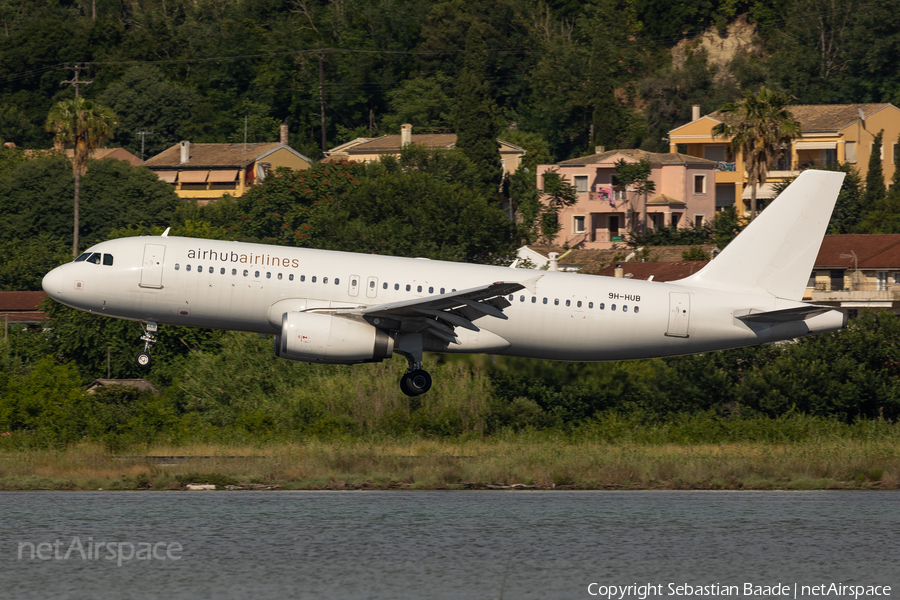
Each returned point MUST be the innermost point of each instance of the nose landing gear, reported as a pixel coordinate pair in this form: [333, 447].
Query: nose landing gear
[149, 338]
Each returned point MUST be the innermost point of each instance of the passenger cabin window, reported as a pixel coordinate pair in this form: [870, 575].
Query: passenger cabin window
[268, 276]
[177, 266]
[419, 288]
[246, 272]
[637, 309]
[187, 267]
[324, 280]
[222, 271]
[279, 276]
[108, 260]
[234, 271]
[256, 274]
[291, 277]
[337, 281]
[442, 290]
[408, 287]
[568, 303]
[430, 290]
[396, 286]
[384, 285]
[212, 269]
[303, 278]
[533, 299]
[372, 285]
[313, 279]
[545, 301]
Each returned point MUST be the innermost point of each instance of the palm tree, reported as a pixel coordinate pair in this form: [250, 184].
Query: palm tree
[84, 125]
[759, 126]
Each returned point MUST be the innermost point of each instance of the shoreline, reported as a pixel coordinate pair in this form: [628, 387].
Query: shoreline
[540, 464]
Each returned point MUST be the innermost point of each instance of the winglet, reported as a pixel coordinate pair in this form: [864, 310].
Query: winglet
[166, 232]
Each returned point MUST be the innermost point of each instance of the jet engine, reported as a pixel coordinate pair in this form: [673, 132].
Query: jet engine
[324, 338]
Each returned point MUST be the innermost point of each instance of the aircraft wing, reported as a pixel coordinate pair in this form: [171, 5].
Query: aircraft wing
[440, 314]
[774, 317]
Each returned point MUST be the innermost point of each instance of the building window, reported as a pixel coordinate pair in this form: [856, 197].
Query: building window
[658, 220]
[812, 280]
[579, 225]
[881, 284]
[581, 184]
[699, 184]
[676, 217]
[698, 221]
[897, 278]
[850, 152]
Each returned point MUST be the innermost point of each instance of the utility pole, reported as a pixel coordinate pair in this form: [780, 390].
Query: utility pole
[143, 134]
[321, 54]
[74, 82]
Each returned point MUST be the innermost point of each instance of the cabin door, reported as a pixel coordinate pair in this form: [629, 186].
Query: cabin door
[679, 314]
[151, 271]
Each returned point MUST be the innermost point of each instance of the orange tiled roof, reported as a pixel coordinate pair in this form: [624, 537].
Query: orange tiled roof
[656, 158]
[211, 155]
[873, 251]
[661, 271]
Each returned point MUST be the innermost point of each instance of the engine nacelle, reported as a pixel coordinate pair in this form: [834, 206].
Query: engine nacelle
[324, 338]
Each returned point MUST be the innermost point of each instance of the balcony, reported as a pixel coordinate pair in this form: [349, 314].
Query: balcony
[855, 296]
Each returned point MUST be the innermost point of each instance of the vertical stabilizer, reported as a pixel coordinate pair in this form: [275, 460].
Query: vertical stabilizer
[776, 252]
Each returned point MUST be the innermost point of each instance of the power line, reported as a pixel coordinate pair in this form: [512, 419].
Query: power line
[74, 82]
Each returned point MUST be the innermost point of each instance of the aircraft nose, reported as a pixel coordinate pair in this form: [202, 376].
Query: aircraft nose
[53, 283]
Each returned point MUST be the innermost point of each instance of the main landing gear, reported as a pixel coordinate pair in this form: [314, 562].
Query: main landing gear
[149, 338]
[416, 381]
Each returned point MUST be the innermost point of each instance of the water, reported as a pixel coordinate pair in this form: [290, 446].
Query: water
[513, 545]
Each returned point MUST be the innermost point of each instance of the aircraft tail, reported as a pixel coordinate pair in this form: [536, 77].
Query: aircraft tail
[776, 253]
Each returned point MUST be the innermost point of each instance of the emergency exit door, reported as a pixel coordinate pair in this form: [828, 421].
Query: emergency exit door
[151, 271]
[679, 314]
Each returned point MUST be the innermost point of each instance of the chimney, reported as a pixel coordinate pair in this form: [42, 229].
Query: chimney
[283, 134]
[599, 149]
[695, 112]
[185, 151]
[620, 272]
[405, 135]
[554, 264]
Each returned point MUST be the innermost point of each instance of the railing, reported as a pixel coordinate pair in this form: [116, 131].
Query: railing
[727, 167]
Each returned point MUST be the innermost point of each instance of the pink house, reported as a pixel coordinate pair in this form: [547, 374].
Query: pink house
[606, 212]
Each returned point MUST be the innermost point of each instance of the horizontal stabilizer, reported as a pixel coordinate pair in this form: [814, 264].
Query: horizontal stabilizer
[775, 317]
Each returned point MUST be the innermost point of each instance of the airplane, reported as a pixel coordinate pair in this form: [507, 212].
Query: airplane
[346, 308]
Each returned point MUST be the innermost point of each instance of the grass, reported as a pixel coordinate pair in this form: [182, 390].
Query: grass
[551, 462]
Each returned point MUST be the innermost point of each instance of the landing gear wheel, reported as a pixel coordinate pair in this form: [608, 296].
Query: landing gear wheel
[415, 383]
[142, 359]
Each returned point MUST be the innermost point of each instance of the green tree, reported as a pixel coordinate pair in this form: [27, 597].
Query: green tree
[875, 190]
[558, 193]
[279, 210]
[85, 125]
[422, 102]
[26, 261]
[417, 212]
[636, 176]
[114, 194]
[758, 125]
[146, 101]
[475, 113]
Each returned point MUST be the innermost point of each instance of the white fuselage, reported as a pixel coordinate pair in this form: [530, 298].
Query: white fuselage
[564, 316]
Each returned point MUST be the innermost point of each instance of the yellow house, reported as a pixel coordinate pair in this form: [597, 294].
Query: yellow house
[831, 133]
[372, 149]
[206, 172]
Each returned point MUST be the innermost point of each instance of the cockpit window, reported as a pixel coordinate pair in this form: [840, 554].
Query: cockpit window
[108, 260]
[94, 258]
[83, 257]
